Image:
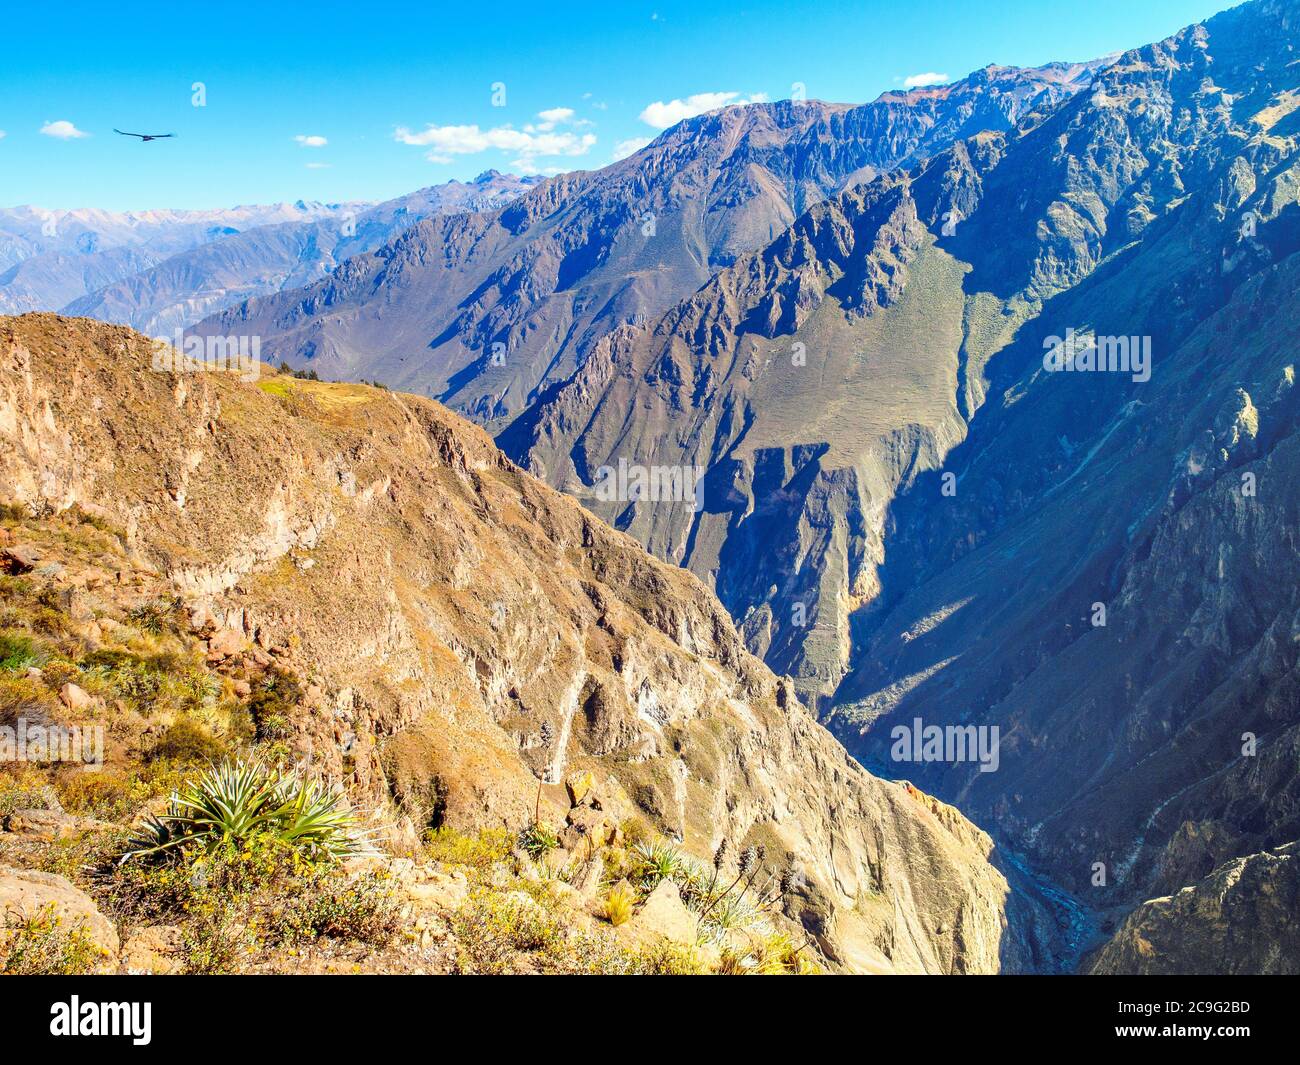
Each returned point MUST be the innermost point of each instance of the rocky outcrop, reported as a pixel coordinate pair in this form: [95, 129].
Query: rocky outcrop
[462, 632]
[1238, 920]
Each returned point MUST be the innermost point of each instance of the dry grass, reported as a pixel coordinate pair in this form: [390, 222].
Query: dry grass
[617, 905]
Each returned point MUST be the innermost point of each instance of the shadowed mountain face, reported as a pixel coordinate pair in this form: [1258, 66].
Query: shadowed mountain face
[192, 284]
[488, 312]
[910, 513]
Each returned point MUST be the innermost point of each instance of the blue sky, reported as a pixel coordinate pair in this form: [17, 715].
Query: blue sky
[402, 94]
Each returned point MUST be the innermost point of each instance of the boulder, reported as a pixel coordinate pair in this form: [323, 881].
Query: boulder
[580, 787]
[663, 916]
[76, 604]
[587, 828]
[21, 558]
[225, 642]
[26, 893]
[75, 697]
[438, 891]
[48, 824]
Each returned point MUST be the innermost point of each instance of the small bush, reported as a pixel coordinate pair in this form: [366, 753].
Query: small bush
[492, 926]
[480, 851]
[671, 959]
[363, 909]
[187, 743]
[302, 375]
[657, 861]
[24, 696]
[271, 705]
[149, 683]
[217, 936]
[41, 945]
[636, 829]
[153, 617]
[18, 653]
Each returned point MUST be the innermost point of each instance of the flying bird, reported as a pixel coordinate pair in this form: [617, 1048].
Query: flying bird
[145, 136]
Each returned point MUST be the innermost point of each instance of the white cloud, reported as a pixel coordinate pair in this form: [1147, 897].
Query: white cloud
[312, 141]
[556, 114]
[318, 166]
[922, 81]
[2, 134]
[63, 130]
[661, 115]
[625, 148]
[444, 142]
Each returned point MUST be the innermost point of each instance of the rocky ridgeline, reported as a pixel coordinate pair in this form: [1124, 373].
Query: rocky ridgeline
[487, 312]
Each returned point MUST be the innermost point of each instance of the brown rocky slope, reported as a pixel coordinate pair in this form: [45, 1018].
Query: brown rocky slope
[445, 611]
[1240, 919]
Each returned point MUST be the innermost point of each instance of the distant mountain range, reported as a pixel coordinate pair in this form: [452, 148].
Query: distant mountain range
[161, 270]
[487, 311]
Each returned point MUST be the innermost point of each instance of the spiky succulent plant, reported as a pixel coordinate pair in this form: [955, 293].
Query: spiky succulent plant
[236, 801]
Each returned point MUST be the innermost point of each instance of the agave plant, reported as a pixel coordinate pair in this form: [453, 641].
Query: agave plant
[235, 801]
[658, 862]
[538, 838]
[731, 913]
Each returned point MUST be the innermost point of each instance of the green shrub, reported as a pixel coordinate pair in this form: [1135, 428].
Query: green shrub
[18, 653]
[478, 852]
[271, 705]
[656, 861]
[363, 909]
[187, 743]
[149, 683]
[21, 695]
[492, 927]
[154, 617]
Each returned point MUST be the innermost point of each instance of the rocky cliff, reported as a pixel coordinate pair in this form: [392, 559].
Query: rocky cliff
[910, 513]
[1239, 920]
[463, 632]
